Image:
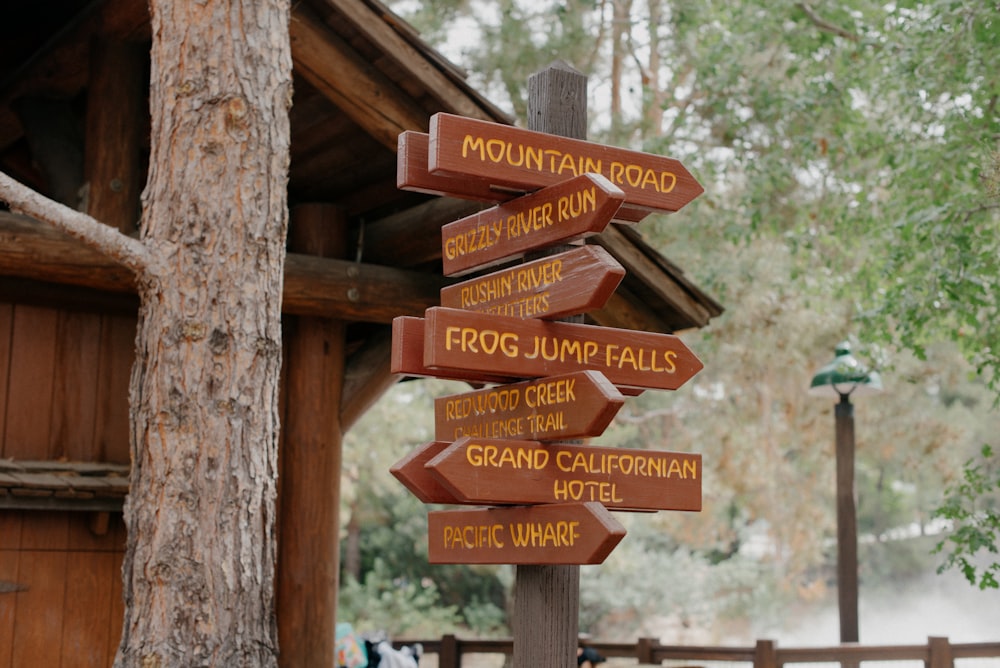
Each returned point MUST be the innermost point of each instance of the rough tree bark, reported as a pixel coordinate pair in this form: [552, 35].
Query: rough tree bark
[200, 559]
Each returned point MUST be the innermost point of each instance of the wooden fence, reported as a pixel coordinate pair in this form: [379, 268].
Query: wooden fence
[937, 653]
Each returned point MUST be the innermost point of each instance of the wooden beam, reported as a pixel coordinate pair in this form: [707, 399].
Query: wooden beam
[366, 377]
[313, 286]
[429, 69]
[371, 100]
[641, 266]
[413, 237]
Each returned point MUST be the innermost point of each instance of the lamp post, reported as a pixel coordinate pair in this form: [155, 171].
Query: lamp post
[840, 379]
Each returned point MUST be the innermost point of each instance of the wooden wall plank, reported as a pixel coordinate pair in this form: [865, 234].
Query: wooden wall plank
[39, 608]
[82, 539]
[10, 529]
[88, 588]
[45, 531]
[29, 399]
[116, 614]
[6, 331]
[75, 388]
[9, 560]
[117, 352]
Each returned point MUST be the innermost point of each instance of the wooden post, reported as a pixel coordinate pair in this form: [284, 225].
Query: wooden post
[547, 598]
[765, 654]
[940, 655]
[847, 523]
[309, 480]
[644, 650]
[448, 656]
[115, 122]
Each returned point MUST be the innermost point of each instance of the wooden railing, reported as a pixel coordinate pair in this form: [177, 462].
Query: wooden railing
[937, 653]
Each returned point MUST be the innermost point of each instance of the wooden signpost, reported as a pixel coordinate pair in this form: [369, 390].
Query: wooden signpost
[554, 380]
[576, 281]
[575, 405]
[561, 212]
[456, 339]
[476, 470]
[572, 533]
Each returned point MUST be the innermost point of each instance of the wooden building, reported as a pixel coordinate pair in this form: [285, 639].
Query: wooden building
[74, 125]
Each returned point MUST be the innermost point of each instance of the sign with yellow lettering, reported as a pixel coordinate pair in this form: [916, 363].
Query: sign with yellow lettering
[500, 471]
[572, 282]
[411, 174]
[559, 533]
[475, 342]
[407, 355]
[512, 157]
[575, 405]
[571, 209]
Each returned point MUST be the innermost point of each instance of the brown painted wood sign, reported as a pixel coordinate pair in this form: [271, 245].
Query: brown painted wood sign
[407, 355]
[476, 342]
[571, 209]
[573, 282]
[421, 481]
[411, 174]
[500, 471]
[575, 405]
[515, 158]
[562, 533]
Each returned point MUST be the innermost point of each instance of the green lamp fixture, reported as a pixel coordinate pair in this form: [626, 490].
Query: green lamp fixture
[845, 376]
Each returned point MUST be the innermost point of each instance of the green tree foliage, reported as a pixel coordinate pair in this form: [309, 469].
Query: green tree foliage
[974, 506]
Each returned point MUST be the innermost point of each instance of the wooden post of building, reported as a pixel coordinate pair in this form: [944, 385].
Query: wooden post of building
[547, 598]
[115, 121]
[310, 462]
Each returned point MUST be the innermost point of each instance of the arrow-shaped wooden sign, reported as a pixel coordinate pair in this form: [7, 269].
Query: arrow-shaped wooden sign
[421, 481]
[411, 174]
[522, 159]
[407, 355]
[498, 472]
[568, 210]
[561, 533]
[476, 342]
[569, 283]
[575, 405]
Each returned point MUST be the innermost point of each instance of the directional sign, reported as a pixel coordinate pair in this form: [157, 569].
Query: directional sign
[412, 174]
[421, 481]
[559, 533]
[572, 209]
[572, 282]
[497, 471]
[515, 158]
[575, 405]
[476, 342]
[407, 355]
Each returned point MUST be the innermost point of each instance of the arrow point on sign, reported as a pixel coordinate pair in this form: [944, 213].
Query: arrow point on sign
[411, 471]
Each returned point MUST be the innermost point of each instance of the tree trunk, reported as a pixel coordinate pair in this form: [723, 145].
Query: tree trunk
[199, 566]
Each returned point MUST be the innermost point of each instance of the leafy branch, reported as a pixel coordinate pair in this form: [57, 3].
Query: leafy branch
[972, 508]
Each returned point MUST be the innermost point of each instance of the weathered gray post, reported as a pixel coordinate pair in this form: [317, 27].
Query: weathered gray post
[547, 598]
